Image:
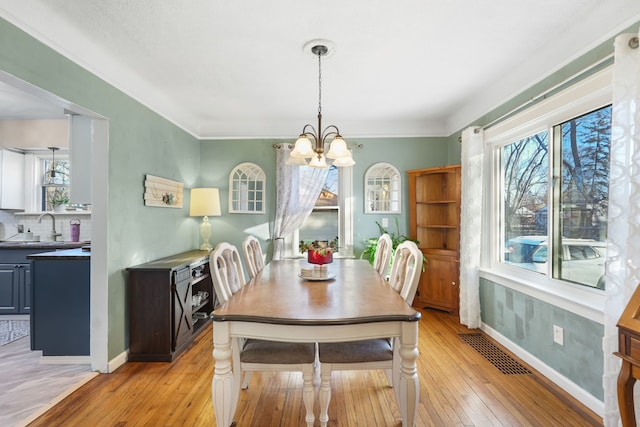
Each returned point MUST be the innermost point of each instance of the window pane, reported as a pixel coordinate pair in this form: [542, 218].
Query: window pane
[329, 194]
[56, 173]
[584, 199]
[525, 170]
[55, 184]
[321, 225]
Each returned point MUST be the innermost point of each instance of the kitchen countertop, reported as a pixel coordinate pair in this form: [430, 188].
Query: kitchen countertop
[69, 254]
[21, 244]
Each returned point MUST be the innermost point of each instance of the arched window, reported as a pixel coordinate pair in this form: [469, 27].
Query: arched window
[382, 189]
[246, 189]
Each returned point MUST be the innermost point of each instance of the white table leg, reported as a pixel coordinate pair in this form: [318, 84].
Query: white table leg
[409, 387]
[222, 385]
[307, 393]
[325, 393]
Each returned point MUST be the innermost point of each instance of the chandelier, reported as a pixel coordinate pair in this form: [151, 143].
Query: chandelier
[313, 154]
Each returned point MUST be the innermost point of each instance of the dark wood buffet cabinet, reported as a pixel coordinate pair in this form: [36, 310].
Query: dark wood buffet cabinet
[163, 316]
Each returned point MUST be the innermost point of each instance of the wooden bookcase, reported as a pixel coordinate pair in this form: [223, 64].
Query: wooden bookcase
[434, 220]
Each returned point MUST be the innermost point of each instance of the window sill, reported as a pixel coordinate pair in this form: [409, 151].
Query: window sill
[583, 301]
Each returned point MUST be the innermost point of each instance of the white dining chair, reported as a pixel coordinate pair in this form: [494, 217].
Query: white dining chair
[227, 273]
[407, 251]
[253, 257]
[374, 353]
[381, 259]
[259, 355]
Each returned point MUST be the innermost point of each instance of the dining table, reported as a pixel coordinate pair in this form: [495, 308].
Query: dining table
[352, 302]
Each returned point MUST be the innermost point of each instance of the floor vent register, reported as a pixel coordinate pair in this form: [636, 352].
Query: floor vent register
[501, 360]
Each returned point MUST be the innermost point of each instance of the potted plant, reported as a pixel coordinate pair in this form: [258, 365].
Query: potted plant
[59, 199]
[371, 243]
[319, 251]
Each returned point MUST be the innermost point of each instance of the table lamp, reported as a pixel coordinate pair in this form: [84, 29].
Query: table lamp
[205, 202]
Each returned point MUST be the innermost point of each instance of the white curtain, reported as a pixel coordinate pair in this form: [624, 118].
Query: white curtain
[297, 189]
[471, 225]
[623, 233]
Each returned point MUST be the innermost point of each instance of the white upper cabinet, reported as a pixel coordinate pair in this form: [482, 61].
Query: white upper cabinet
[80, 137]
[11, 180]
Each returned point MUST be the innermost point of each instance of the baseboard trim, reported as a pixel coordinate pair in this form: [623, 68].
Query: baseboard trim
[118, 361]
[554, 376]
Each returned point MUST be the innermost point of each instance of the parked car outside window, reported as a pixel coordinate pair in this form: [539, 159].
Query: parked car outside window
[582, 260]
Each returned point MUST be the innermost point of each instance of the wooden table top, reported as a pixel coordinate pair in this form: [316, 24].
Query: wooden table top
[357, 294]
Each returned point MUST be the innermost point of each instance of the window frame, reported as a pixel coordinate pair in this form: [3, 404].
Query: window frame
[345, 220]
[34, 172]
[589, 94]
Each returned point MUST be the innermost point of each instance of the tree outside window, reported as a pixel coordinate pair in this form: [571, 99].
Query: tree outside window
[560, 218]
[55, 184]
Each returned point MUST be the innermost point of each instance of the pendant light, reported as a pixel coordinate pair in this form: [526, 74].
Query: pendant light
[304, 149]
[50, 175]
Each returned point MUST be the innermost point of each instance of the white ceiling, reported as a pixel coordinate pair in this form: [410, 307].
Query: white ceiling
[234, 69]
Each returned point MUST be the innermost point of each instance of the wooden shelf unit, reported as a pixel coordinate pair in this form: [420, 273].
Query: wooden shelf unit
[162, 319]
[434, 220]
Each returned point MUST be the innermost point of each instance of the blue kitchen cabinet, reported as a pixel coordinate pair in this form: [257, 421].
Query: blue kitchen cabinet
[60, 309]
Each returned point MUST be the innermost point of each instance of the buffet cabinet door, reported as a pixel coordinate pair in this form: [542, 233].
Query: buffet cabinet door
[182, 322]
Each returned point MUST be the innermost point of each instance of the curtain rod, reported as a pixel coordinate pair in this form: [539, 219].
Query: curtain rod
[607, 61]
[350, 147]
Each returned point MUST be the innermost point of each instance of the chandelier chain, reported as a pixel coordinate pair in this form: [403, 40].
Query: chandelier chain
[319, 84]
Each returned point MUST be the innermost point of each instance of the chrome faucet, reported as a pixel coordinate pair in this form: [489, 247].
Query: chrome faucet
[54, 234]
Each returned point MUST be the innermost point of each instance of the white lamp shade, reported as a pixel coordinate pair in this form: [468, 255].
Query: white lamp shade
[296, 161]
[344, 161]
[319, 162]
[204, 202]
[338, 149]
[302, 148]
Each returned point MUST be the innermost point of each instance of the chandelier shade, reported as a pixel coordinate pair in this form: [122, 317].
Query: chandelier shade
[338, 149]
[310, 145]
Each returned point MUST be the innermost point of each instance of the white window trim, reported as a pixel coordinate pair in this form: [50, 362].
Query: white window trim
[587, 95]
[345, 220]
[33, 179]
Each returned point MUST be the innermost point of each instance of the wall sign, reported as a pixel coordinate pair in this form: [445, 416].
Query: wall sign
[162, 193]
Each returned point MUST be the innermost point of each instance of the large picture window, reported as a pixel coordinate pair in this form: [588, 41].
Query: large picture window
[554, 199]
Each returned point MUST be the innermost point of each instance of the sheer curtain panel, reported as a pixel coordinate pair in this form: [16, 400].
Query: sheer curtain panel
[623, 249]
[471, 225]
[297, 189]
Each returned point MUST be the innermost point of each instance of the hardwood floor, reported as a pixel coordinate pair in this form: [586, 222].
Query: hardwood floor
[458, 387]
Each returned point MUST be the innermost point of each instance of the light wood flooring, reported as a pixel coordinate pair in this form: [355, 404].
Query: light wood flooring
[28, 388]
[458, 387]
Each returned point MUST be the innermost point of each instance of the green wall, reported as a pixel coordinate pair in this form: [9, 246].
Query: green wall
[140, 142]
[526, 321]
[219, 157]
